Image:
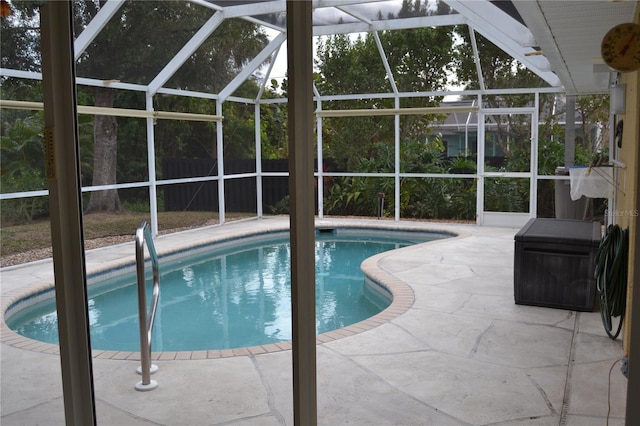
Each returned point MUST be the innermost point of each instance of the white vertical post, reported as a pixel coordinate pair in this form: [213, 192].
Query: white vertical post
[533, 184]
[151, 165]
[480, 166]
[220, 152]
[65, 204]
[320, 160]
[256, 114]
[570, 131]
[300, 123]
[396, 178]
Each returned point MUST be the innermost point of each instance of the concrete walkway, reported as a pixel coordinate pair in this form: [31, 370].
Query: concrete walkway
[460, 352]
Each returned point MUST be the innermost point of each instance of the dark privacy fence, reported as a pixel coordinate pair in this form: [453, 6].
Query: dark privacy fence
[240, 194]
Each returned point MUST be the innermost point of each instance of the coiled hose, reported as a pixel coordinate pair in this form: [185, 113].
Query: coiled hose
[611, 276]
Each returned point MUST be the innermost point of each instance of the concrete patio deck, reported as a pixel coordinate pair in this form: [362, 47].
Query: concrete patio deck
[461, 352]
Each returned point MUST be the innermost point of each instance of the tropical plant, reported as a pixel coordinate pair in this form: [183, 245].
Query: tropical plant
[22, 168]
[419, 60]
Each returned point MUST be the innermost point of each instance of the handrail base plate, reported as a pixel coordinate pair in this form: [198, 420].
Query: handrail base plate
[152, 369]
[143, 388]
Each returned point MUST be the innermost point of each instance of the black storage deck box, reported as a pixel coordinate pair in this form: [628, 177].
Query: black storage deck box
[555, 263]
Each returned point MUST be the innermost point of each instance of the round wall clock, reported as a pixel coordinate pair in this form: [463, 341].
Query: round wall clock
[620, 47]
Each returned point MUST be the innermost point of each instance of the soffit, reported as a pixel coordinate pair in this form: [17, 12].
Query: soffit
[569, 35]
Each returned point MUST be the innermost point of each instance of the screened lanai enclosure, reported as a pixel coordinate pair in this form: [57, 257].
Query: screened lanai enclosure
[400, 109]
[423, 109]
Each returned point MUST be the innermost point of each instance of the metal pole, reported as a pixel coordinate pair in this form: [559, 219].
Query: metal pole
[300, 123]
[65, 204]
[146, 369]
[145, 345]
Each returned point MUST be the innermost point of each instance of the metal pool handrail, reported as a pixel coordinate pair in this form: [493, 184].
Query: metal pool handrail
[143, 235]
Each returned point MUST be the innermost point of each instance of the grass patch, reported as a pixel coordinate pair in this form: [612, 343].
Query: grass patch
[37, 234]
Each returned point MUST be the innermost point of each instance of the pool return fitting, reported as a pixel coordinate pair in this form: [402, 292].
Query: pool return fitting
[143, 235]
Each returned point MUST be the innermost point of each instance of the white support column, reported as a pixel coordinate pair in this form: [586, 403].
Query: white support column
[252, 66]
[65, 203]
[220, 152]
[533, 184]
[185, 53]
[476, 57]
[320, 159]
[480, 166]
[151, 165]
[90, 32]
[385, 62]
[570, 131]
[256, 114]
[396, 183]
[300, 122]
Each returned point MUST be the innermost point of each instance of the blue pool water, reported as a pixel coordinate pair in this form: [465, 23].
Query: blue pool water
[231, 295]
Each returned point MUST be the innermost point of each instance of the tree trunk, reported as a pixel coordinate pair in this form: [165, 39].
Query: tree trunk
[105, 155]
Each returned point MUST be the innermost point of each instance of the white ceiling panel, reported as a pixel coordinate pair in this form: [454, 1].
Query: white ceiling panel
[569, 34]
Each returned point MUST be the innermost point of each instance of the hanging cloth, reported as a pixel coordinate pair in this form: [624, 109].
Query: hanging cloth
[591, 181]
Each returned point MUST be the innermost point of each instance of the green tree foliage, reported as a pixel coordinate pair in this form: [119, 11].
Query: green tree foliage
[500, 71]
[140, 40]
[419, 60]
[22, 162]
[22, 171]
[273, 123]
[511, 132]
[20, 49]
[420, 198]
[143, 36]
[133, 47]
[593, 109]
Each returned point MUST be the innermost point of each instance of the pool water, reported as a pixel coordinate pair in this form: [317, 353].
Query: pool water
[236, 295]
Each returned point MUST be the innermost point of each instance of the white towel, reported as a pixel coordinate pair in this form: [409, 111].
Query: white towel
[592, 182]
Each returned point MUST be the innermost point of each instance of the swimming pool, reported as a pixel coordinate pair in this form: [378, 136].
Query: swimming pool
[232, 294]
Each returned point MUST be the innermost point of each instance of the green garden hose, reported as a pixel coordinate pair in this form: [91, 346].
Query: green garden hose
[611, 275]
